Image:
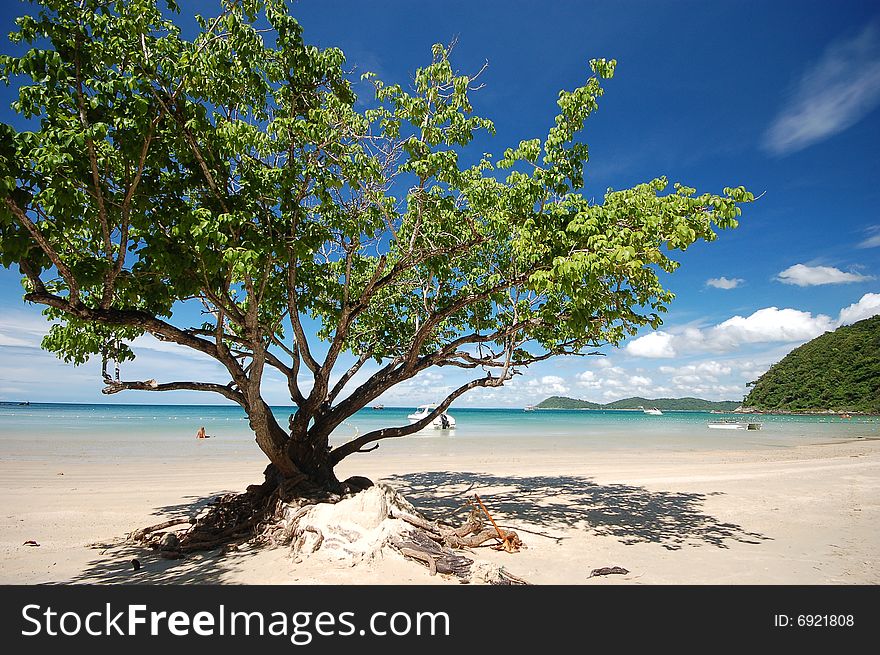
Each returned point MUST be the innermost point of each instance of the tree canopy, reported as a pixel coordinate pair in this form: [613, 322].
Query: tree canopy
[237, 171]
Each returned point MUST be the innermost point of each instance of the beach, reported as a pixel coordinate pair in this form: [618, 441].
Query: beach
[799, 513]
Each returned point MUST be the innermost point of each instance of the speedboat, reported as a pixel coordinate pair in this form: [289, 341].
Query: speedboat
[733, 424]
[441, 422]
[654, 411]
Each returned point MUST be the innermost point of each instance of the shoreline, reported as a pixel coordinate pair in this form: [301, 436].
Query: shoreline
[795, 515]
[816, 412]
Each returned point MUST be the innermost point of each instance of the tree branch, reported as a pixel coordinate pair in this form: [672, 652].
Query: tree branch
[341, 452]
[151, 385]
[126, 213]
[302, 344]
[340, 385]
[46, 247]
[146, 322]
[93, 159]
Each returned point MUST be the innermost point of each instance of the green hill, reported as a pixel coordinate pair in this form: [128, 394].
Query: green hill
[673, 404]
[665, 404]
[838, 371]
[561, 402]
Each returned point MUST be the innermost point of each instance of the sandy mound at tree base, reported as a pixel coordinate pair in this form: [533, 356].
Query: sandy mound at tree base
[354, 530]
[373, 524]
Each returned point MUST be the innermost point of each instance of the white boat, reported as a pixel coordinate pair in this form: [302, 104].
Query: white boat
[733, 424]
[654, 411]
[442, 422]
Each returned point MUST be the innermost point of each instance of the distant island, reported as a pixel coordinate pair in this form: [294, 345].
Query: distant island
[665, 404]
[838, 371]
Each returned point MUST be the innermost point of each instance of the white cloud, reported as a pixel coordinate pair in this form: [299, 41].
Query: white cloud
[615, 382]
[26, 330]
[867, 306]
[7, 340]
[429, 386]
[149, 342]
[613, 378]
[654, 345]
[588, 380]
[548, 385]
[810, 276]
[768, 324]
[711, 378]
[24, 375]
[686, 380]
[751, 370]
[832, 95]
[765, 325]
[724, 282]
[23, 330]
[709, 369]
[873, 240]
[705, 376]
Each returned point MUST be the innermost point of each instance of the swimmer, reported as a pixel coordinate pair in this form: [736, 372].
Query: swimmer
[201, 433]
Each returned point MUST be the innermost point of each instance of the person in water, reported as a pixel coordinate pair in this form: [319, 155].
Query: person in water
[201, 433]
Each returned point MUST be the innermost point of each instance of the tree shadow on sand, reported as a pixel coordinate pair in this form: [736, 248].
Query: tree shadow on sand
[113, 562]
[190, 505]
[629, 514]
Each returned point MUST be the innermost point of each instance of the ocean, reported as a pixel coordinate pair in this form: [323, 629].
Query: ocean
[108, 433]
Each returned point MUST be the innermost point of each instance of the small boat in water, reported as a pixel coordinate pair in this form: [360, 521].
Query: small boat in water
[378, 406]
[734, 424]
[442, 422]
[653, 411]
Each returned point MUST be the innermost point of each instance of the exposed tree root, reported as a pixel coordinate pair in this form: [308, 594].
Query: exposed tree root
[140, 535]
[348, 527]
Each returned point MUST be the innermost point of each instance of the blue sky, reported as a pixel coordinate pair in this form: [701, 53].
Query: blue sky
[781, 97]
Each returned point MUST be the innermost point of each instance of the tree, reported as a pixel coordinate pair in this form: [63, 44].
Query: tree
[235, 170]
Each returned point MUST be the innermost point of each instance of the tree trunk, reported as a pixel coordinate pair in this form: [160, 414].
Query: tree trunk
[271, 439]
[309, 450]
[304, 454]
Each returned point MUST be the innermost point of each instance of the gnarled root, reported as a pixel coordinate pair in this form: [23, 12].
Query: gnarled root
[347, 528]
[236, 518]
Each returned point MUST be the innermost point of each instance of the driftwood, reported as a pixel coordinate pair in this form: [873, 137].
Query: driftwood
[434, 544]
[509, 540]
[471, 534]
[421, 546]
[608, 570]
[421, 556]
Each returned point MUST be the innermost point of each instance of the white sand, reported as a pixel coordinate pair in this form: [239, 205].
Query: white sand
[806, 515]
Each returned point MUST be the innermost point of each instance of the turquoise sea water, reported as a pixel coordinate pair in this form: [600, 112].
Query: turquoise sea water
[57, 432]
